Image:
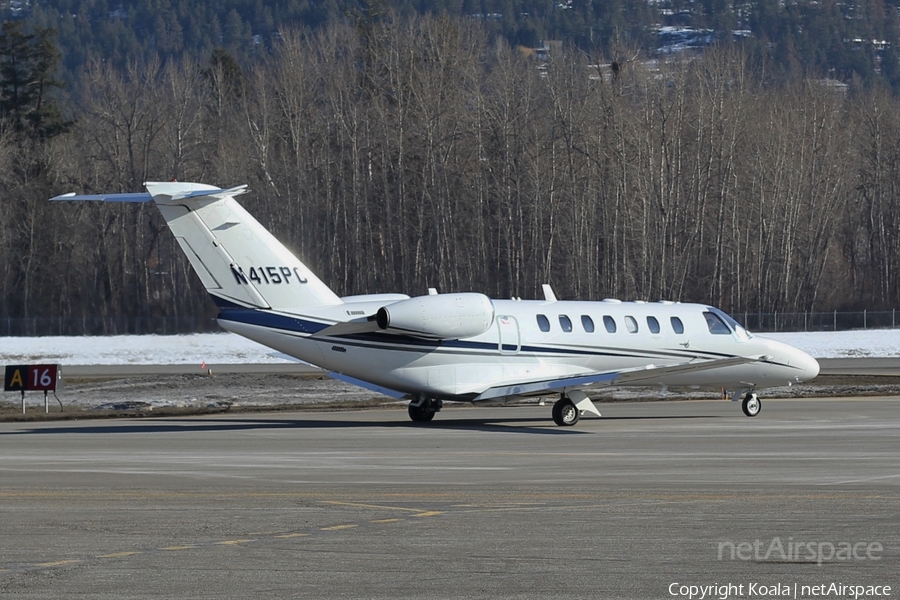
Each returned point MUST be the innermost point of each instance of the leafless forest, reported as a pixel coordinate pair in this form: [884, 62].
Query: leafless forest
[415, 153]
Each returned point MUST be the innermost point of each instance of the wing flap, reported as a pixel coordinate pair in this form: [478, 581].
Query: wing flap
[623, 377]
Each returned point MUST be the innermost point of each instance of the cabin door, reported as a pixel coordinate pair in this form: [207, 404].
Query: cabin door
[508, 328]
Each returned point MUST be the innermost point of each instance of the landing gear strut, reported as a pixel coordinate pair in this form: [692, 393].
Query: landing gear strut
[422, 410]
[565, 413]
[751, 404]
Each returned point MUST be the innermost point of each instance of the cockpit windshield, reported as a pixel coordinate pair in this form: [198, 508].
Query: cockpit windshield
[716, 325]
[739, 329]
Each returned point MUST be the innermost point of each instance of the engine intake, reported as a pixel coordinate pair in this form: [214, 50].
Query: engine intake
[442, 316]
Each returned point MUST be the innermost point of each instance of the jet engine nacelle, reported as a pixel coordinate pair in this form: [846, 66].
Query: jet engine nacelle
[441, 316]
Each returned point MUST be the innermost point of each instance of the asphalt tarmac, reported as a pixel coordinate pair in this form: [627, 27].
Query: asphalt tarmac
[479, 503]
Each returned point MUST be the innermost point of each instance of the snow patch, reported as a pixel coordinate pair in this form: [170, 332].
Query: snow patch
[229, 348]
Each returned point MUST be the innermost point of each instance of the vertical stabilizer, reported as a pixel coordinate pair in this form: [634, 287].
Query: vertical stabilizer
[237, 259]
[239, 262]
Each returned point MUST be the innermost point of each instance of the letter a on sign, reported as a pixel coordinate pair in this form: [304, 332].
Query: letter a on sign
[15, 378]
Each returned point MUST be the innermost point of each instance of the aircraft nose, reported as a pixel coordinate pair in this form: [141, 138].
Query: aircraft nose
[807, 364]
[803, 366]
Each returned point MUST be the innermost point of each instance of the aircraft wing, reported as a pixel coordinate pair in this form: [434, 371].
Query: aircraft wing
[622, 377]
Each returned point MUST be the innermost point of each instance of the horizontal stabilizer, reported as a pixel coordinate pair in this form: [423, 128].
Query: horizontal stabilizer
[72, 197]
[623, 377]
[214, 194]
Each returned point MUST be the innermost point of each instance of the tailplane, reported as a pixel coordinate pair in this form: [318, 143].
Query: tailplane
[239, 262]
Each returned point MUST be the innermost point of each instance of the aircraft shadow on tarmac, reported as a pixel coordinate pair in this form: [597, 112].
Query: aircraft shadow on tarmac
[541, 426]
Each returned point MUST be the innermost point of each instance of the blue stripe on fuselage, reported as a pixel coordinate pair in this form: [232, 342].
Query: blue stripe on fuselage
[225, 303]
[264, 318]
[391, 341]
[273, 320]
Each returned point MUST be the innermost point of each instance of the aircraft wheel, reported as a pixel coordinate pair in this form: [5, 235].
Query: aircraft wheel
[565, 414]
[751, 405]
[420, 414]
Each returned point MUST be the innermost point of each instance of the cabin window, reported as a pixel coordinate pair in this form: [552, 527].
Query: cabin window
[610, 323]
[677, 325]
[631, 324]
[566, 323]
[653, 324]
[716, 325]
[587, 323]
[543, 322]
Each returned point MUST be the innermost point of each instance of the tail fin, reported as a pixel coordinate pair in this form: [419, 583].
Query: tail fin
[239, 262]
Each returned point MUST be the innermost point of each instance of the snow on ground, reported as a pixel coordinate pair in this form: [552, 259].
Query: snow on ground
[861, 343]
[212, 348]
[228, 348]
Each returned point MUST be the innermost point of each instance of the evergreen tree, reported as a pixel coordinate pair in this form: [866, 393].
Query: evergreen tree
[890, 67]
[27, 65]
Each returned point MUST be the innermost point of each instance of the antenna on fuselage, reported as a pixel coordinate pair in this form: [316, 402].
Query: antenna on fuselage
[549, 296]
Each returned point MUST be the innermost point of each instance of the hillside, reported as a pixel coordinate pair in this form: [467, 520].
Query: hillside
[398, 154]
[847, 41]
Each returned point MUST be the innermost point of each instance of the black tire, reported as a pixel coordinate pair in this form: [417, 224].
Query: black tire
[419, 414]
[565, 413]
[751, 405]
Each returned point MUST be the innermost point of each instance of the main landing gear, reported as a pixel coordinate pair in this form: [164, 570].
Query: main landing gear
[751, 404]
[422, 410]
[565, 413]
[570, 406]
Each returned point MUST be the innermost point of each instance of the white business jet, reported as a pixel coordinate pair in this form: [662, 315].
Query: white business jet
[457, 346]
